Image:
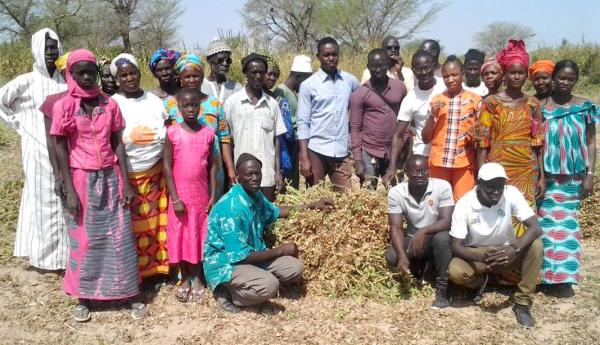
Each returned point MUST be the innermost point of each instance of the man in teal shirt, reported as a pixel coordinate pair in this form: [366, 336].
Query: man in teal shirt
[237, 264]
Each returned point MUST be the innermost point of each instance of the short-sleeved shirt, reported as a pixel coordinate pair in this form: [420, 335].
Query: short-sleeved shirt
[220, 92]
[323, 112]
[89, 139]
[144, 134]
[480, 90]
[283, 91]
[415, 109]
[452, 145]
[48, 105]
[236, 226]
[254, 128]
[424, 212]
[482, 226]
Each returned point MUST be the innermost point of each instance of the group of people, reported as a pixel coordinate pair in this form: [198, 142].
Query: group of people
[123, 185]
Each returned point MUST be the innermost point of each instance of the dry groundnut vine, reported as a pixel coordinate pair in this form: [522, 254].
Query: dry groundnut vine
[343, 250]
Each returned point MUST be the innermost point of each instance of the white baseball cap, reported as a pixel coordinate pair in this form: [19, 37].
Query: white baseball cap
[490, 171]
[301, 64]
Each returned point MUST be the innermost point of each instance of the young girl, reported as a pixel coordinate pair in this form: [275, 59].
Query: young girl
[86, 125]
[448, 128]
[189, 165]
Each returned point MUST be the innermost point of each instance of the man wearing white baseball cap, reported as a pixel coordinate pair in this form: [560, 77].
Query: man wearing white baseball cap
[484, 240]
[300, 71]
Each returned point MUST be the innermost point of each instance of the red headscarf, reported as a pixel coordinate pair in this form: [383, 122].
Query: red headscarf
[541, 66]
[76, 92]
[515, 52]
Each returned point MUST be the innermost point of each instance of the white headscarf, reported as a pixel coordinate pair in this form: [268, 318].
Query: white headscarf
[120, 60]
[38, 49]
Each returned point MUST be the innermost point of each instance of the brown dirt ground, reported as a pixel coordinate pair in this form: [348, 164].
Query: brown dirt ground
[34, 310]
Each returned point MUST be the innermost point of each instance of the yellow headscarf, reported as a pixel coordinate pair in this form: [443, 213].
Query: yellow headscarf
[61, 62]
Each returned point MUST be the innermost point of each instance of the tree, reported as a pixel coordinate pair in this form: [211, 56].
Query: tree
[18, 17]
[124, 10]
[292, 21]
[363, 23]
[496, 35]
[157, 27]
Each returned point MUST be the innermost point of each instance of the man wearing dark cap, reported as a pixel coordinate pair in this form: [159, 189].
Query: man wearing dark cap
[216, 84]
[255, 122]
[473, 62]
[237, 264]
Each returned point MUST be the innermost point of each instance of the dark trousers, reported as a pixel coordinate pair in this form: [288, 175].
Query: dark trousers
[436, 248]
[293, 177]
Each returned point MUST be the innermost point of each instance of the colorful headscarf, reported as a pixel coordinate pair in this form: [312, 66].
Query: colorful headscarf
[541, 66]
[490, 62]
[76, 92]
[121, 60]
[515, 52]
[163, 54]
[103, 61]
[189, 60]
[61, 62]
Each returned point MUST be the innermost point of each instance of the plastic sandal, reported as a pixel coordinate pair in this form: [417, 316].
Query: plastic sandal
[183, 294]
[82, 313]
[138, 310]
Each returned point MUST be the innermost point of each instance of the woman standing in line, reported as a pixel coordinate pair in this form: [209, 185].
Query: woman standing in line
[162, 66]
[569, 160]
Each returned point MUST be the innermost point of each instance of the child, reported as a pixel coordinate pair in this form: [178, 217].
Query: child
[86, 125]
[449, 127]
[188, 161]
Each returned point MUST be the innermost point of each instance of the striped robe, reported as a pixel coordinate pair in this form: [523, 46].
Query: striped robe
[41, 230]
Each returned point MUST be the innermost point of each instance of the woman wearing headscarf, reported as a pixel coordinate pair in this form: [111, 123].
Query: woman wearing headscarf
[162, 66]
[540, 75]
[107, 80]
[41, 230]
[144, 137]
[190, 70]
[569, 164]
[87, 126]
[491, 74]
[509, 128]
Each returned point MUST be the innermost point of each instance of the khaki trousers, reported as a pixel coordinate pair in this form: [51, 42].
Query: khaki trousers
[528, 263]
[250, 284]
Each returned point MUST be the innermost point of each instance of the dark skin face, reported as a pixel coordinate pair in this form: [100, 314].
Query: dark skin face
[490, 192]
[329, 55]
[515, 77]
[473, 72]
[453, 76]
[542, 82]
[249, 176]
[189, 107]
[51, 54]
[431, 49]
[271, 77]
[299, 79]
[107, 81]
[128, 77]
[255, 74]
[492, 77]
[417, 171]
[191, 77]
[378, 65]
[219, 63]
[423, 71]
[565, 80]
[85, 74]
[393, 48]
[164, 72]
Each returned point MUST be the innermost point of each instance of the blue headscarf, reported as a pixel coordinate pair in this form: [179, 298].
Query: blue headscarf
[189, 60]
[163, 54]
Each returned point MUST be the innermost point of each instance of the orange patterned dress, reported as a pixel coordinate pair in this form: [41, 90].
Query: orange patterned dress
[510, 133]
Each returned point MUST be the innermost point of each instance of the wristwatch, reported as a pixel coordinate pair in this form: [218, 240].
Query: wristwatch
[516, 248]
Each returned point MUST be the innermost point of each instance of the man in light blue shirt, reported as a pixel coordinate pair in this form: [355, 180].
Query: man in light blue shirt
[323, 120]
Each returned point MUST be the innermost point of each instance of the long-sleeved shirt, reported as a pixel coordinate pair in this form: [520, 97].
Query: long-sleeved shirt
[372, 121]
[323, 112]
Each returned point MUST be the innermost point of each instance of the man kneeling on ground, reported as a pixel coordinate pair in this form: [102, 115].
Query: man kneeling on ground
[237, 264]
[484, 240]
[427, 204]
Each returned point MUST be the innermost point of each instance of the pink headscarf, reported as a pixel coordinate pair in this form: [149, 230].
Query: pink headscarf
[490, 62]
[76, 92]
[515, 52]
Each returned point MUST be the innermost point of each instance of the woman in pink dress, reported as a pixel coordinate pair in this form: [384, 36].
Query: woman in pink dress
[189, 166]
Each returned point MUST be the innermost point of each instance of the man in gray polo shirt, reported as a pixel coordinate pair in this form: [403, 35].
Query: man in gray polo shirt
[427, 205]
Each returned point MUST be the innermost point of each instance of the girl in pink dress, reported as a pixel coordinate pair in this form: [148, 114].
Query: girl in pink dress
[189, 165]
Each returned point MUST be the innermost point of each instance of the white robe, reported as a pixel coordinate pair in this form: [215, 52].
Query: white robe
[41, 230]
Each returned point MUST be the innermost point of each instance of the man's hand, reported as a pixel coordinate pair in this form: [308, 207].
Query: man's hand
[72, 203]
[232, 178]
[415, 247]
[59, 188]
[403, 264]
[278, 182]
[325, 204]
[359, 170]
[305, 166]
[288, 249]
[389, 178]
[500, 257]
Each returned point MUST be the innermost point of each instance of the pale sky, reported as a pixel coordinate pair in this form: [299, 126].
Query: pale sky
[552, 20]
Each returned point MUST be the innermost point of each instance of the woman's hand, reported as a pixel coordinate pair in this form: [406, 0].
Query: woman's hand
[540, 189]
[211, 203]
[72, 203]
[128, 194]
[587, 187]
[232, 178]
[179, 207]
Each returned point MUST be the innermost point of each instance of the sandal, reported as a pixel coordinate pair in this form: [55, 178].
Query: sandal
[138, 310]
[197, 295]
[183, 294]
[82, 313]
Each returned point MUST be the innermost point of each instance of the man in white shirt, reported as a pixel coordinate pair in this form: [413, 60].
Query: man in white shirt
[414, 110]
[473, 62]
[427, 205]
[255, 122]
[484, 239]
